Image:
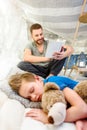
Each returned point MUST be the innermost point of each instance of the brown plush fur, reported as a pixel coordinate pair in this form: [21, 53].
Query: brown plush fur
[51, 95]
[81, 89]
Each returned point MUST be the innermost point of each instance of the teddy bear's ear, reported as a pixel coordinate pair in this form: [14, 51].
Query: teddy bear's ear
[51, 86]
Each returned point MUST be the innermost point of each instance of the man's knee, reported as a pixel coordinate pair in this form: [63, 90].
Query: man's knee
[20, 64]
[23, 65]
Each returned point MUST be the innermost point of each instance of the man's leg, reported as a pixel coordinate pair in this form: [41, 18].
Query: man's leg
[36, 69]
[55, 66]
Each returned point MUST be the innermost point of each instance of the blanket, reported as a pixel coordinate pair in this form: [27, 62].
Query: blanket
[12, 117]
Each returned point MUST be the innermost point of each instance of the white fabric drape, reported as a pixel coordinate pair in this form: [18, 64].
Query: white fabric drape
[13, 35]
[58, 18]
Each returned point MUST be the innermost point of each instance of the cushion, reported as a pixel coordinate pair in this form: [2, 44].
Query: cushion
[4, 86]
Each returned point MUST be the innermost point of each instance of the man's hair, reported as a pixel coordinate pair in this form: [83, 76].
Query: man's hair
[35, 26]
[15, 81]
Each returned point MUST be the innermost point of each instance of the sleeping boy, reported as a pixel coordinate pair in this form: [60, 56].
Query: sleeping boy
[31, 86]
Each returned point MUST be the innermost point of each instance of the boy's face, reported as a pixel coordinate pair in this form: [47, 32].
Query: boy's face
[32, 90]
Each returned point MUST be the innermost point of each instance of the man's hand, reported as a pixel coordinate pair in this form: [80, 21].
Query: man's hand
[59, 55]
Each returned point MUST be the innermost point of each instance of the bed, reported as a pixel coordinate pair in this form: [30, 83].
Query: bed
[12, 117]
[13, 109]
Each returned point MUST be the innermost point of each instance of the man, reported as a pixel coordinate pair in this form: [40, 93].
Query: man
[34, 55]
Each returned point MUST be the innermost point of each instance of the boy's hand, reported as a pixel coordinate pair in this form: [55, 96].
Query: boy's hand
[81, 124]
[38, 114]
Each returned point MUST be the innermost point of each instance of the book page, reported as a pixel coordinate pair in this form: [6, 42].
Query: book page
[53, 46]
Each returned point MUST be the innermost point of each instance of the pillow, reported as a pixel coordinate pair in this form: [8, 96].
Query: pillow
[4, 86]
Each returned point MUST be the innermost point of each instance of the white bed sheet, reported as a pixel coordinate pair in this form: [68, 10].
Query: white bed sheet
[12, 117]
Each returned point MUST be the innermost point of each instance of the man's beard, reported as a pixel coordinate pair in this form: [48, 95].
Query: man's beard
[40, 41]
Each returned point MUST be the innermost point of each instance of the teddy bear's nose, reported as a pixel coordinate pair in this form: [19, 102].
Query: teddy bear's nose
[50, 119]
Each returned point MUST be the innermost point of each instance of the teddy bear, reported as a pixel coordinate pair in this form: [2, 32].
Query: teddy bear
[54, 103]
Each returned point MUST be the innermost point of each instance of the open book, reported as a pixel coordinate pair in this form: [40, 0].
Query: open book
[53, 46]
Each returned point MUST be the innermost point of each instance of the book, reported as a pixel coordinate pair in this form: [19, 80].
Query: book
[53, 46]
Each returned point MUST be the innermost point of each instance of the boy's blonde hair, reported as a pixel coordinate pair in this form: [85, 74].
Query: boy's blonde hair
[15, 81]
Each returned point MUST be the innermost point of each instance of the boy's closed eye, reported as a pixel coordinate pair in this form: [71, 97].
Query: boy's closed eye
[31, 90]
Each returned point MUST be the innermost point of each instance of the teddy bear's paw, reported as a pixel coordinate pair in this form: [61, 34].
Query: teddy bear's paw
[51, 120]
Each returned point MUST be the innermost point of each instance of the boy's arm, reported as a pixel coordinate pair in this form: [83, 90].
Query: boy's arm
[78, 109]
